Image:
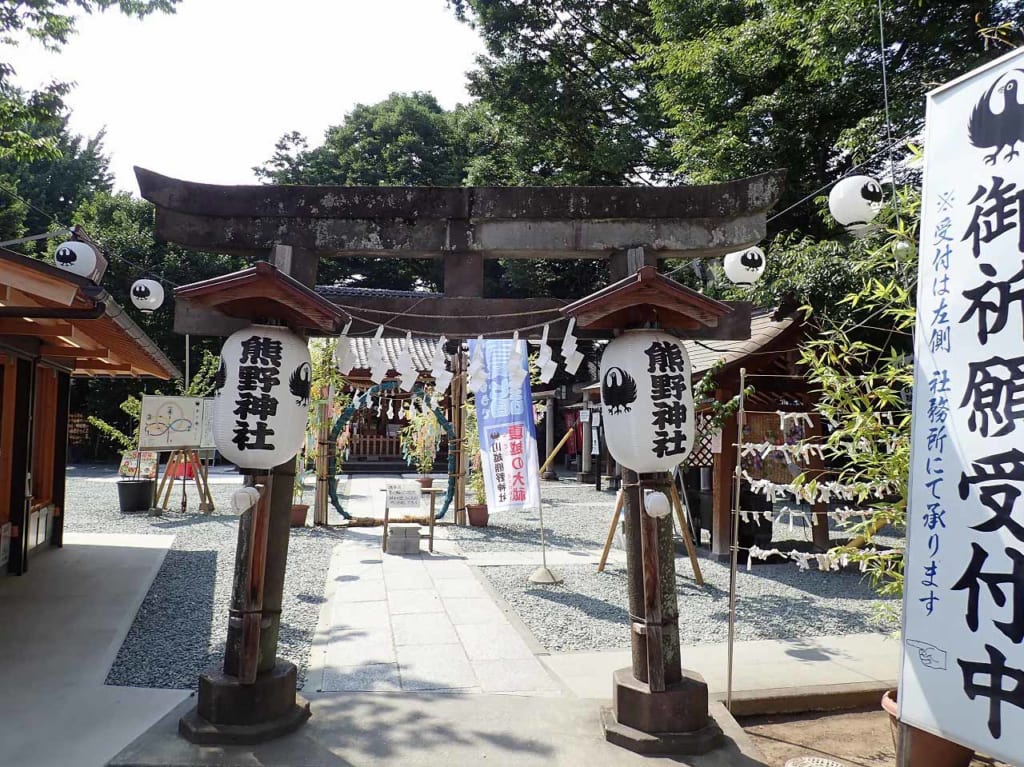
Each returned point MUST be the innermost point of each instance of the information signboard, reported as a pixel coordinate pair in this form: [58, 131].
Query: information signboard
[962, 675]
[170, 423]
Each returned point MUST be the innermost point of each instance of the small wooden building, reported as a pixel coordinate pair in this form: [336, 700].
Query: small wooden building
[54, 326]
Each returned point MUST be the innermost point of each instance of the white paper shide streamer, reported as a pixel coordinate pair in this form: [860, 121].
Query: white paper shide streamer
[570, 351]
[406, 367]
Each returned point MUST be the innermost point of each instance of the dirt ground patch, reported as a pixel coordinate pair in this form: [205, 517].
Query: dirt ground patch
[854, 738]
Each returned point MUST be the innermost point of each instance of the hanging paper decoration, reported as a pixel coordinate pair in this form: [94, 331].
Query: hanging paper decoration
[405, 367]
[570, 352]
[344, 359]
[380, 407]
[744, 267]
[81, 258]
[260, 412]
[377, 357]
[147, 295]
[648, 402]
[657, 504]
[477, 373]
[855, 200]
[391, 410]
[438, 370]
[546, 365]
[516, 369]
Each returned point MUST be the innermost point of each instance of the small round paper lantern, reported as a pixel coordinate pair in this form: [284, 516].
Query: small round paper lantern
[648, 400]
[147, 295]
[744, 267]
[77, 257]
[855, 200]
[657, 505]
[260, 413]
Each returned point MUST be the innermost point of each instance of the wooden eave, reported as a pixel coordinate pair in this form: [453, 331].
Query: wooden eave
[264, 292]
[109, 344]
[647, 296]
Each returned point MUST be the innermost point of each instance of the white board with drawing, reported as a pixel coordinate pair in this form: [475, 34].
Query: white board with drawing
[170, 423]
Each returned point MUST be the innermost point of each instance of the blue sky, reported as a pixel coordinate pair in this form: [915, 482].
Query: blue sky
[204, 94]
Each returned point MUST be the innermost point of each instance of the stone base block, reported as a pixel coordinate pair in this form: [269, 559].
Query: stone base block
[195, 729]
[660, 743]
[231, 712]
[673, 721]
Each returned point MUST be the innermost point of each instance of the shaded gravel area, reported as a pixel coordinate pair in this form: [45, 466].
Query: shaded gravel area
[588, 610]
[180, 628]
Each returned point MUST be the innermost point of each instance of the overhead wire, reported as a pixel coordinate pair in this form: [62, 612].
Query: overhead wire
[140, 270]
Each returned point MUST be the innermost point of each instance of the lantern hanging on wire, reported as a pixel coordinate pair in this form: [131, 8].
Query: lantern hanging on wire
[855, 201]
[147, 295]
[81, 258]
[648, 400]
[744, 267]
[260, 412]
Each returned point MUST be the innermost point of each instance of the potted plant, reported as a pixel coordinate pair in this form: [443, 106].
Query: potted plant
[420, 440]
[134, 493]
[299, 509]
[476, 511]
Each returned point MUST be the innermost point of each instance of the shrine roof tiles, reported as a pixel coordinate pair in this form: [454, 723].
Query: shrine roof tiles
[422, 351]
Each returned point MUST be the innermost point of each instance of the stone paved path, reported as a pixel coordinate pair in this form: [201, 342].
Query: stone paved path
[415, 622]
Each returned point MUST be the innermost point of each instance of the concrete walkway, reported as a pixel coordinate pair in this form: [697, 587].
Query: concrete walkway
[417, 622]
[428, 622]
[761, 668]
[62, 626]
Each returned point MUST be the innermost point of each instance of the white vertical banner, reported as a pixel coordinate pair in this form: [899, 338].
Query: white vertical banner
[508, 437]
[962, 675]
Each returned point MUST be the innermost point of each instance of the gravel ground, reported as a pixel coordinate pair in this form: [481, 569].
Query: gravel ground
[588, 611]
[181, 626]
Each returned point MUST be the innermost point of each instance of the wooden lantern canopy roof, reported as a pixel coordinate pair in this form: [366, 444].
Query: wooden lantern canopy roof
[647, 296]
[265, 292]
[72, 323]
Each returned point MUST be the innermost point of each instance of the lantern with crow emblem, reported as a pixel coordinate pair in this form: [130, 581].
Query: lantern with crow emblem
[80, 258]
[744, 267]
[147, 295]
[262, 396]
[997, 120]
[648, 401]
[855, 200]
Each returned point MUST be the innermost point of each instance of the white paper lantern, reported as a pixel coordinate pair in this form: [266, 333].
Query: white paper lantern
[147, 295]
[657, 505]
[855, 200]
[648, 400]
[79, 258]
[744, 267]
[259, 414]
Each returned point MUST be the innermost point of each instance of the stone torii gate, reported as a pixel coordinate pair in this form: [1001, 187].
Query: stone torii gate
[296, 226]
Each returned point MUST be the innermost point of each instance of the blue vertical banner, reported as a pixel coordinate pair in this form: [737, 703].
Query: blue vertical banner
[508, 436]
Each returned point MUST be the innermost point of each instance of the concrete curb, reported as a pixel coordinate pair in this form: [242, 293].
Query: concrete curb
[799, 700]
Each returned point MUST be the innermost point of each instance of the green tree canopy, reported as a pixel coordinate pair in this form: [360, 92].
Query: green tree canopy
[51, 23]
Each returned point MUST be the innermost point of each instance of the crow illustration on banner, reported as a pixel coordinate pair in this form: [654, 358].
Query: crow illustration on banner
[299, 383]
[995, 124]
[618, 390]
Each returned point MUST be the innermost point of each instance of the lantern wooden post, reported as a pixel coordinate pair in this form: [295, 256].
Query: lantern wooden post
[253, 698]
[658, 707]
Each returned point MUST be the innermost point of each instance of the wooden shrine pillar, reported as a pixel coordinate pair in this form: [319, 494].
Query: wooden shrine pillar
[60, 456]
[723, 479]
[18, 388]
